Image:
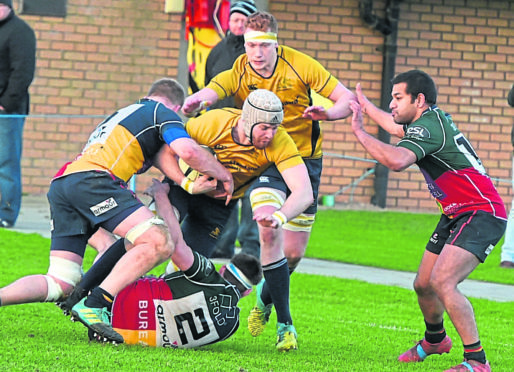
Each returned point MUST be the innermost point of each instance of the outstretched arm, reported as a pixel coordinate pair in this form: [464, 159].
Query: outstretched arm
[393, 157]
[381, 117]
[199, 101]
[341, 96]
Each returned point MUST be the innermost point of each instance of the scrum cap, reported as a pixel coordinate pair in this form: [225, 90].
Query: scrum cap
[261, 106]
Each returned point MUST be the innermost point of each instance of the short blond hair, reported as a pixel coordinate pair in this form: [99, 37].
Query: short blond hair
[262, 21]
[170, 89]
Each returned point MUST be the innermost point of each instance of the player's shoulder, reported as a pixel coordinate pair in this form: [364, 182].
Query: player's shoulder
[215, 118]
[290, 54]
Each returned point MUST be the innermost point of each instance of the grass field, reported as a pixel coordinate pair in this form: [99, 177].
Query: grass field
[343, 325]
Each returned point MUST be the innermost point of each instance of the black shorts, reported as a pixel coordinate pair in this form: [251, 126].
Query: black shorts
[202, 218]
[476, 232]
[82, 202]
[272, 178]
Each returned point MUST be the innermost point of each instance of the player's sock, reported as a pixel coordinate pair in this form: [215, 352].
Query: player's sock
[103, 266]
[475, 351]
[99, 298]
[434, 333]
[277, 278]
[265, 295]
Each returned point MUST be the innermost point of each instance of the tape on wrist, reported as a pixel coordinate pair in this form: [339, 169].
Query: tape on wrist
[187, 185]
[280, 217]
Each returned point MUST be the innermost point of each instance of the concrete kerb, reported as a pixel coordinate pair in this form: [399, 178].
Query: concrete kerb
[35, 218]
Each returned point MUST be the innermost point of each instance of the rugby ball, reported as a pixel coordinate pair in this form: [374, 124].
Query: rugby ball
[190, 172]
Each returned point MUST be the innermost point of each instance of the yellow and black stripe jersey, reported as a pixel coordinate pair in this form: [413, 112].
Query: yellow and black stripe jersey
[295, 75]
[245, 162]
[126, 142]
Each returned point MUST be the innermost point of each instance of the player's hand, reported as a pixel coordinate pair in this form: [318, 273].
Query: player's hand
[157, 187]
[204, 184]
[315, 113]
[193, 105]
[363, 100]
[267, 220]
[357, 122]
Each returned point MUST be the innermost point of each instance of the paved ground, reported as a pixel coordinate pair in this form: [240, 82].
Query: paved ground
[34, 218]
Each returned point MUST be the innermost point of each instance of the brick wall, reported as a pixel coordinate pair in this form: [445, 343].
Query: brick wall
[468, 48]
[104, 54]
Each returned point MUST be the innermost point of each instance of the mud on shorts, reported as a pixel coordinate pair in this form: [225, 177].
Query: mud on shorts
[476, 232]
[82, 202]
[272, 178]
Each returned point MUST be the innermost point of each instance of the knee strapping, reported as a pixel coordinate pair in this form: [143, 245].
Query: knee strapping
[65, 270]
[140, 229]
[303, 222]
[266, 197]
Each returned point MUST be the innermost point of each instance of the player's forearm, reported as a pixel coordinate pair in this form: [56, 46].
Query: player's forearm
[383, 119]
[199, 101]
[386, 154]
[182, 255]
[341, 96]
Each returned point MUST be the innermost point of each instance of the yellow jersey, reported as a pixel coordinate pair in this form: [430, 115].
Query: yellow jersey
[295, 75]
[245, 162]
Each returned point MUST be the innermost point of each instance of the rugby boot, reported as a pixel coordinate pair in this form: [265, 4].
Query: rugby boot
[260, 313]
[286, 337]
[471, 365]
[97, 320]
[423, 349]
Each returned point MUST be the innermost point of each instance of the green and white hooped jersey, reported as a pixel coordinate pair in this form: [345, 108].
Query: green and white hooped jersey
[453, 171]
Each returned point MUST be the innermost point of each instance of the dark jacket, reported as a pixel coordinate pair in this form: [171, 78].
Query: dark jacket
[221, 58]
[17, 63]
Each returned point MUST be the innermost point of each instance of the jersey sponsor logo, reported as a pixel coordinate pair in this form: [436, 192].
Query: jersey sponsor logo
[143, 325]
[293, 102]
[435, 190]
[252, 87]
[419, 132]
[103, 207]
[161, 321]
[223, 309]
[184, 322]
[264, 179]
[284, 84]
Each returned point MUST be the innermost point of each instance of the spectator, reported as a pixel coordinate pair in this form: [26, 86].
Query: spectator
[17, 66]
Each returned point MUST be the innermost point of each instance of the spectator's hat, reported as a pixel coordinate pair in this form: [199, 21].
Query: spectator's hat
[245, 7]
